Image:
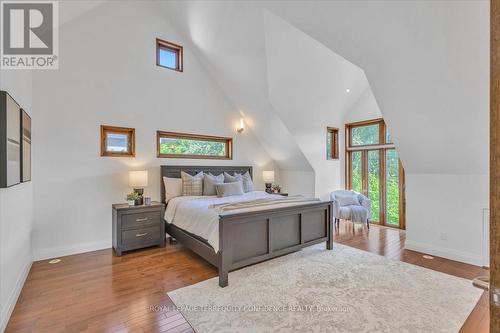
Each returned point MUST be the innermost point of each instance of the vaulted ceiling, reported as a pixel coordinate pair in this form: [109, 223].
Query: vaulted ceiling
[286, 64]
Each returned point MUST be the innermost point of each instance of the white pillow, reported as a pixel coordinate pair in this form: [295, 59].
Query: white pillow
[227, 189]
[173, 188]
[209, 182]
[348, 200]
[245, 178]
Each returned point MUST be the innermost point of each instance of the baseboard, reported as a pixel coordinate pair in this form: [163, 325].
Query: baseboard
[14, 295]
[62, 251]
[447, 253]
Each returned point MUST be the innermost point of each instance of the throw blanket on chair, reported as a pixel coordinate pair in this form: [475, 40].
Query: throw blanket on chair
[358, 214]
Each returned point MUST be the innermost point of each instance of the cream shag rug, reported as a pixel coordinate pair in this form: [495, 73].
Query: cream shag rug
[343, 290]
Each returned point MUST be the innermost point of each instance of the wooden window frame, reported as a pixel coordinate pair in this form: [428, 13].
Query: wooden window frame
[382, 146]
[334, 149]
[226, 140]
[130, 132]
[177, 49]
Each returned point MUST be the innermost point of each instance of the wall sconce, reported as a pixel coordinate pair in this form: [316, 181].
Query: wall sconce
[241, 127]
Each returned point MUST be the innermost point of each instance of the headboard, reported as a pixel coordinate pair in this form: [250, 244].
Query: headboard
[174, 171]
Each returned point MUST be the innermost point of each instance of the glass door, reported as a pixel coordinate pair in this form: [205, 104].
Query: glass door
[373, 184]
[393, 192]
[374, 169]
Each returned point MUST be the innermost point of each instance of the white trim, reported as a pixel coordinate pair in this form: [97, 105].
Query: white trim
[69, 250]
[14, 295]
[468, 258]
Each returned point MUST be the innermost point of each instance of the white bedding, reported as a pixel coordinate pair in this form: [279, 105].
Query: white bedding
[195, 215]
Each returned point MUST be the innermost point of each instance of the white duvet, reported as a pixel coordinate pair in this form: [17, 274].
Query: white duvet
[195, 215]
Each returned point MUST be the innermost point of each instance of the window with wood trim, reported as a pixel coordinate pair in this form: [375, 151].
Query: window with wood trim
[117, 141]
[182, 145]
[332, 143]
[373, 168]
[169, 55]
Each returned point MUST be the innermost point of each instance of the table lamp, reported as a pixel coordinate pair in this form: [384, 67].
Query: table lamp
[138, 180]
[268, 177]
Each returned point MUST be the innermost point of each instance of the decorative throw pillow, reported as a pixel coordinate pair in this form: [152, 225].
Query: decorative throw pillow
[348, 200]
[246, 180]
[192, 185]
[227, 189]
[209, 182]
[173, 188]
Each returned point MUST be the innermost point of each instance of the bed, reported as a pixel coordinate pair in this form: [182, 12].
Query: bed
[245, 236]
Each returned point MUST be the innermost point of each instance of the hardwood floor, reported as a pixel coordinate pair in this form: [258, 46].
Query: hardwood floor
[99, 292]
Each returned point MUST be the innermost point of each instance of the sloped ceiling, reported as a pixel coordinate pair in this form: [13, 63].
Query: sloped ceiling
[280, 86]
[72, 9]
[428, 65]
[229, 40]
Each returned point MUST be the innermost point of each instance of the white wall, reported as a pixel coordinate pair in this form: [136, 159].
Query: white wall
[16, 211]
[307, 87]
[108, 76]
[446, 214]
[428, 65]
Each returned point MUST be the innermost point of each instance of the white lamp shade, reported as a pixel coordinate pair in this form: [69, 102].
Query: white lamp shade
[268, 176]
[138, 179]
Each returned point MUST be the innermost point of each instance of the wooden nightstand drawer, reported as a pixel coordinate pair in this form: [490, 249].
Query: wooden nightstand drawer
[141, 236]
[136, 227]
[141, 220]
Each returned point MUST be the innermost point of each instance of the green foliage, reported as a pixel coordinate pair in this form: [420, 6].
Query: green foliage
[192, 147]
[356, 172]
[374, 183]
[392, 179]
[365, 135]
[132, 196]
[392, 183]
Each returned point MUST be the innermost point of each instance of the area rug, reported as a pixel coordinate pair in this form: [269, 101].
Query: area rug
[343, 290]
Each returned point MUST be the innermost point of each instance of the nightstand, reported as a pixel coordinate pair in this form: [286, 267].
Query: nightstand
[138, 227]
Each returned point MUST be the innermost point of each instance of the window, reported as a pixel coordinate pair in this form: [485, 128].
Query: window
[180, 145]
[168, 55]
[117, 141]
[364, 134]
[373, 168]
[332, 143]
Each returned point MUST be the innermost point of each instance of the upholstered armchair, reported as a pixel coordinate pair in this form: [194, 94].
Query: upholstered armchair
[350, 205]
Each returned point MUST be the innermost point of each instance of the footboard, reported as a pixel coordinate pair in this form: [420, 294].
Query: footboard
[249, 238]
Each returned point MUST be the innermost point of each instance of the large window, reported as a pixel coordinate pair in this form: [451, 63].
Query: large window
[374, 169]
[181, 145]
[332, 143]
[169, 55]
[117, 141]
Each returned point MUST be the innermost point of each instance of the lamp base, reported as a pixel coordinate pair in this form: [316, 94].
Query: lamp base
[268, 187]
[140, 201]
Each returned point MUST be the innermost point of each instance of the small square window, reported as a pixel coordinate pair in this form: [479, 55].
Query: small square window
[332, 143]
[168, 55]
[117, 141]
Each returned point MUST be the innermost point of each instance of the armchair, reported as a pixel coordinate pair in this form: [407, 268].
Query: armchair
[350, 205]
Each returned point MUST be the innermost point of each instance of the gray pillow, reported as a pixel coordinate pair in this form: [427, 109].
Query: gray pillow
[209, 182]
[192, 185]
[246, 180]
[227, 189]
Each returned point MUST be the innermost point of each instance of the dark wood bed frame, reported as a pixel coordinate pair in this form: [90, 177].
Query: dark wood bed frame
[252, 237]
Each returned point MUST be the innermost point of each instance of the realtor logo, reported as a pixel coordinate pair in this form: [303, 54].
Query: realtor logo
[29, 35]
